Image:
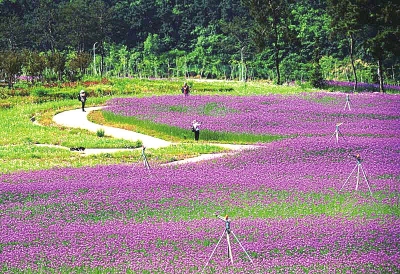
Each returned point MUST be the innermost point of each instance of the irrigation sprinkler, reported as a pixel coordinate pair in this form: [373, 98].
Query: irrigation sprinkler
[144, 158]
[337, 133]
[227, 232]
[347, 104]
[359, 168]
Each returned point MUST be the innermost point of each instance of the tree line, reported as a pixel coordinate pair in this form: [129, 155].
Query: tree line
[278, 40]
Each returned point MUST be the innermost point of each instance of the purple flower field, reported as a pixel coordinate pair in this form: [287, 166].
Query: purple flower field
[302, 114]
[287, 200]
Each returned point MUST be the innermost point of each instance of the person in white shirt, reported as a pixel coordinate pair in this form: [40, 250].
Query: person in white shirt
[196, 129]
[82, 98]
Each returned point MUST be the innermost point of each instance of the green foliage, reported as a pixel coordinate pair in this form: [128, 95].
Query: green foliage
[34, 64]
[316, 78]
[11, 64]
[100, 132]
[56, 62]
[271, 21]
[77, 65]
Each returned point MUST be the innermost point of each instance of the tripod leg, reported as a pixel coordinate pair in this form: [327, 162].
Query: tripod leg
[332, 136]
[248, 256]
[229, 248]
[347, 105]
[366, 180]
[337, 136]
[146, 163]
[358, 175]
[212, 253]
[348, 178]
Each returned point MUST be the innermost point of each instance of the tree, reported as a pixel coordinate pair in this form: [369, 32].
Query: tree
[272, 26]
[237, 29]
[78, 64]
[34, 64]
[44, 24]
[316, 78]
[311, 25]
[345, 20]
[79, 24]
[57, 61]
[11, 64]
[151, 52]
[11, 31]
[382, 22]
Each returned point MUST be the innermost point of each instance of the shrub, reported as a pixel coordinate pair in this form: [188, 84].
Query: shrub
[40, 92]
[100, 132]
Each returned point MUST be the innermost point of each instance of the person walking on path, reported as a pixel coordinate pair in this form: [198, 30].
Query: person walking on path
[185, 89]
[196, 129]
[82, 97]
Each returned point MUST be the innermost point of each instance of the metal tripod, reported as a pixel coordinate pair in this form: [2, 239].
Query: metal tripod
[227, 232]
[347, 104]
[337, 133]
[143, 157]
[359, 168]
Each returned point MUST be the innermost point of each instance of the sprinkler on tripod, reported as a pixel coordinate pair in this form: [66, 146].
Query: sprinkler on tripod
[347, 104]
[360, 169]
[337, 132]
[144, 158]
[227, 232]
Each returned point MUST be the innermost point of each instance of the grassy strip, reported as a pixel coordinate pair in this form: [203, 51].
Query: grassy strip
[175, 133]
[32, 157]
[337, 206]
[366, 267]
[97, 87]
[244, 205]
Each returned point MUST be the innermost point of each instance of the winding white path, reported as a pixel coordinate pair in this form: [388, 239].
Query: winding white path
[78, 119]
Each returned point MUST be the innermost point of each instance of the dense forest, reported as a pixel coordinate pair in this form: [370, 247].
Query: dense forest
[277, 40]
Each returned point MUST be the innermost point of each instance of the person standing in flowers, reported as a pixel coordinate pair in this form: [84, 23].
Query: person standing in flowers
[82, 98]
[185, 89]
[196, 129]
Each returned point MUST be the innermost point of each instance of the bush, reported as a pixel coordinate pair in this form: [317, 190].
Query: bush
[100, 132]
[316, 78]
[40, 92]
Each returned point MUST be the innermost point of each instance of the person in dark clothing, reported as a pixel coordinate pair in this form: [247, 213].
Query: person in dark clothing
[82, 98]
[185, 89]
[196, 129]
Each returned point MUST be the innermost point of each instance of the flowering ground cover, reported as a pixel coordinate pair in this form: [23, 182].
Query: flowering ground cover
[288, 203]
[304, 114]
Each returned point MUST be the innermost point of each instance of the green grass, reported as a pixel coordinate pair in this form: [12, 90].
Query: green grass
[345, 205]
[366, 268]
[179, 134]
[32, 157]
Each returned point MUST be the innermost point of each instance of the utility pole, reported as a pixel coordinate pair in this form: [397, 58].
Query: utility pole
[94, 58]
